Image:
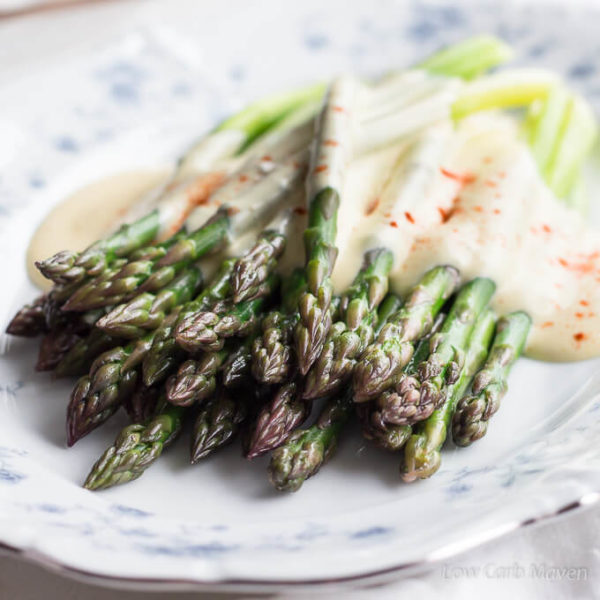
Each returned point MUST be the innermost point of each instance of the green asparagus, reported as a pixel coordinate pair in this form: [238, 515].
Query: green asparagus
[135, 449]
[383, 360]
[217, 423]
[421, 458]
[350, 336]
[306, 450]
[471, 419]
[147, 310]
[415, 397]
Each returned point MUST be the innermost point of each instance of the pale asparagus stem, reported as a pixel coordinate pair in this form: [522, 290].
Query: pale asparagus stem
[382, 361]
[472, 415]
[332, 152]
[349, 337]
[422, 453]
[416, 396]
[259, 128]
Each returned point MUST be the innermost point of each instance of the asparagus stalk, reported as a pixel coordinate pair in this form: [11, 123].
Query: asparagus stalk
[253, 268]
[385, 435]
[383, 360]
[422, 458]
[156, 269]
[236, 370]
[165, 353]
[277, 419]
[306, 450]
[98, 395]
[350, 336]
[144, 403]
[272, 353]
[195, 380]
[208, 330]
[216, 424]
[135, 449]
[147, 311]
[333, 150]
[471, 419]
[80, 357]
[30, 321]
[468, 59]
[54, 347]
[70, 267]
[416, 396]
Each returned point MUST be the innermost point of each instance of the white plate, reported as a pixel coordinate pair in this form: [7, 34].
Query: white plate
[134, 103]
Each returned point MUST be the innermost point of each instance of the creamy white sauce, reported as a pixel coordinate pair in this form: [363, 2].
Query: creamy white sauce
[485, 210]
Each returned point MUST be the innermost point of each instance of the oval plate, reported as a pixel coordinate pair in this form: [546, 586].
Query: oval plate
[136, 102]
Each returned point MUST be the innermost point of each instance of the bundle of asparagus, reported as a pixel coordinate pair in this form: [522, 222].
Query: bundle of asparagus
[250, 349]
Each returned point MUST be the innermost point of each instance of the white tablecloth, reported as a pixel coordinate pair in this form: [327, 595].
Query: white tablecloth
[555, 560]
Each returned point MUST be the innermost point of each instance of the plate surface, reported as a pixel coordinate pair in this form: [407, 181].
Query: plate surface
[135, 102]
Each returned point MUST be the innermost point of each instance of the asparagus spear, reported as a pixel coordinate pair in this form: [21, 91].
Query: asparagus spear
[236, 370]
[98, 395]
[386, 435]
[350, 336]
[216, 424]
[471, 419]
[383, 360]
[153, 271]
[272, 353]
[79, 358]
[165, 353]
[135, 449]
[70, 267]
[277, 420]
[252, 270]
[144, 403]
[30, 320]
[306, 450]
[415, 397]
[207, 330]
[147, 311]
[196, 379]
[54, 347]
[328, 164]
[421, 458]
[468, 59]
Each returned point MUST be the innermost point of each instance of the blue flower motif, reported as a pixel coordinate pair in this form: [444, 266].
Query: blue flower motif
[370, 532]
[130, 511]
[316, 41]
[66, 143]
[8, 476]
